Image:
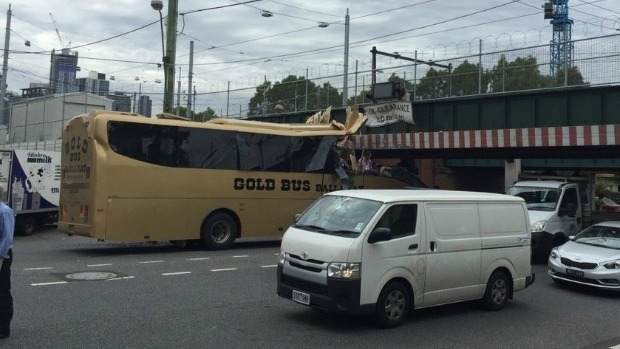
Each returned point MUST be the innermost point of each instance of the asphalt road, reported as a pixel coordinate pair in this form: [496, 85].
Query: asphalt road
[156, 296]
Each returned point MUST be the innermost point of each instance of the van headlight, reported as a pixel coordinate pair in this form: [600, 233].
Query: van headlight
[538, 227]
[611, 264]
[343, 270]
[281, 257]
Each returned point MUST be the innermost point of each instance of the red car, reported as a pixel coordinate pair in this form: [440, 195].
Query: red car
[610, 206]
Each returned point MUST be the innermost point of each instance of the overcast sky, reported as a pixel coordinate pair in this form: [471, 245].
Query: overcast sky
[234, 44]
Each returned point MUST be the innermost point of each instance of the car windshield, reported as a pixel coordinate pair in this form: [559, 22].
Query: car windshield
[537, 199]
[608, 201]
[600, 235]
[339, 215]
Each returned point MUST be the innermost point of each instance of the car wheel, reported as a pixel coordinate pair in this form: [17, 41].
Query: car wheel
[496, 293]
[219, 231]
[393, 305]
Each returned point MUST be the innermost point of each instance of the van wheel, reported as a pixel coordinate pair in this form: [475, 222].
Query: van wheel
[219, 231]
[393, 305]
[496, 293]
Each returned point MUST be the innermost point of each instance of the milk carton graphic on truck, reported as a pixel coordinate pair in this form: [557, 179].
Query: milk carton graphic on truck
[31, 181]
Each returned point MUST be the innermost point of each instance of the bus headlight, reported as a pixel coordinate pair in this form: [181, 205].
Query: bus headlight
[343, 270]
[281, 257]
[538, 227]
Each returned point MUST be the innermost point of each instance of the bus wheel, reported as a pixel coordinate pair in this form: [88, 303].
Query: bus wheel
[219, 231]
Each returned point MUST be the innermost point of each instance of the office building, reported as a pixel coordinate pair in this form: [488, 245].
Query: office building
[95, 83]
[145, 105]
[62, 71]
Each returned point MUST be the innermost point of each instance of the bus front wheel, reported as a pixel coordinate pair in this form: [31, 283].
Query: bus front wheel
[219, 231]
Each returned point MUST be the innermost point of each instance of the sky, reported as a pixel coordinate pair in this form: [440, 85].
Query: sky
[236, 48]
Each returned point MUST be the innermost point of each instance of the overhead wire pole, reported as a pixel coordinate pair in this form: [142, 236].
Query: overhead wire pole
[169, 58]
[345, 85]
[5, 63]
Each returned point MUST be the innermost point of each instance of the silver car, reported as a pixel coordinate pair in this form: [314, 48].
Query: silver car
[591, 258]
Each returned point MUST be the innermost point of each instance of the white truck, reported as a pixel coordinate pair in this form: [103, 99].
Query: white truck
[556, 211]
[31, 182]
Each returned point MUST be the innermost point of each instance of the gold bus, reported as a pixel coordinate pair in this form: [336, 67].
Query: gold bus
[126, 177]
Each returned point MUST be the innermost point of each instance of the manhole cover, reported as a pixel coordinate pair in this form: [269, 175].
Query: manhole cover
[92, 275]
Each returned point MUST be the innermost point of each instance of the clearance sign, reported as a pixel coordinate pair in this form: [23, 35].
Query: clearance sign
[388, 113]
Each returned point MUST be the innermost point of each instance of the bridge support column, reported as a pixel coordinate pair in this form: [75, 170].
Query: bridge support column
[512, 170]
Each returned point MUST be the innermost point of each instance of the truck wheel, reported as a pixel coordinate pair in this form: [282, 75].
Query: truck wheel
[496, 293]
[393, 305]
[28, 226]
[219, 231]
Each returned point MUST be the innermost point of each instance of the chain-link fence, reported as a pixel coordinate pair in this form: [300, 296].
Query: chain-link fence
[593, 61]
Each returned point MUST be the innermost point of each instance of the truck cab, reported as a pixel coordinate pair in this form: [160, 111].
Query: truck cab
[555, 211]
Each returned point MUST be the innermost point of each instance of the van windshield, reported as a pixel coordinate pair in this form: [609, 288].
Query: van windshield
[536, 198]
[338, 215]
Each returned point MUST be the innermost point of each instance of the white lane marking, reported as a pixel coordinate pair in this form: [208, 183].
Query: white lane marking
[49, 283]
[197, 259]
[241, 256]
[177, 273]
[269, 266]
[99, 265]
[42, 268]
[615, 347]
[149, 262]
[121, 278]
[224, 269]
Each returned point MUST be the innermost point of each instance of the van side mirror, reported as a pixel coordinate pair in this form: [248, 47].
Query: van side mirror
[297, 215]
[380, 234]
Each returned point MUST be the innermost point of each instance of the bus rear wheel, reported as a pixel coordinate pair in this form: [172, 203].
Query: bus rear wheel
[219, 231]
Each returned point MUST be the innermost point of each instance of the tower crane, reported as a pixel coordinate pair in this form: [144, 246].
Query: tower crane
[58, 33]
[561, 43]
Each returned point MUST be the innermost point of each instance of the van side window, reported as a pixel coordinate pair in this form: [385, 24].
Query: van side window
[570, 199]
[401, 219]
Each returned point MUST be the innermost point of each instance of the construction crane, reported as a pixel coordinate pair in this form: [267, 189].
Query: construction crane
[58, 33]
[561, 43]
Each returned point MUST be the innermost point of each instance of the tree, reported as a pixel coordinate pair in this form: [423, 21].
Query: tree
[520, 74]
[205, 115]
[289, 95]
[465, 80]
[574, 77]
[435, 84]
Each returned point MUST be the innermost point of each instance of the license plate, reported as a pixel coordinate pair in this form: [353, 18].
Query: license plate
[574, 272]
[301, 297]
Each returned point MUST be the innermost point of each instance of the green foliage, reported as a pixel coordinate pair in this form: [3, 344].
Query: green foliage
[290, 95]
[205, 115]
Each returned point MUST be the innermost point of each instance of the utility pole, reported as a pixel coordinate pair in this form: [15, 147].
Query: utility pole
[345, 85]
[5, 63]
[189, 81]
[169, 58]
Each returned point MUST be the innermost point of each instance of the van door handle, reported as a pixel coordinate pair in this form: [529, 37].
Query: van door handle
[413, 246]
[432, 246]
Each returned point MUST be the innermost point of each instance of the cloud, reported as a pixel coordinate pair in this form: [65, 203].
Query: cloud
[235, 44]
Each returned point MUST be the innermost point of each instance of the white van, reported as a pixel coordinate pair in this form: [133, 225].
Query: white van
[384, 252]
[555, 212]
